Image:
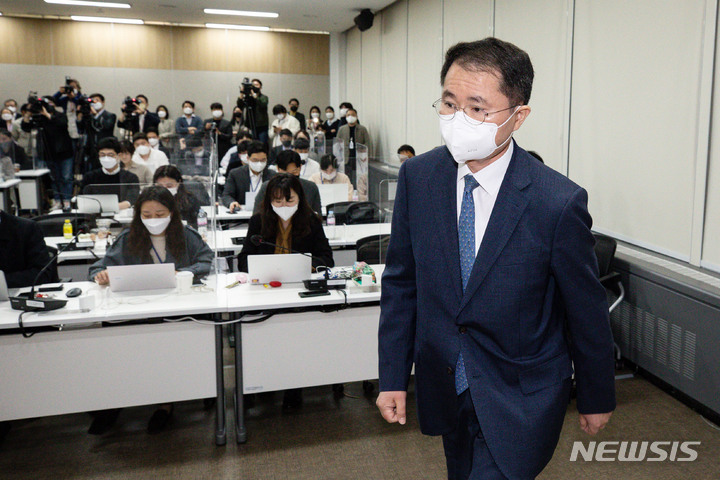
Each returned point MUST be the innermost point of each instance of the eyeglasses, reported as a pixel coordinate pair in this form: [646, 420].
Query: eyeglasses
[474, 115]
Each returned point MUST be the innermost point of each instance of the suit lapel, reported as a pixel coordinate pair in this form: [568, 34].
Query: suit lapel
[443, 186]
[509, 207]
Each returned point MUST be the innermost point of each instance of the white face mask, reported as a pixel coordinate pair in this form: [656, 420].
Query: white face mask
[351, 119]
[280, 116]
[7, 116]
[143, 150]
[285, 213]
[153, 141]
[162, 114]
[304, 156]
[12, 109]
[244, 158]
[329, 115]
[343, 112]
[173, 190]
[217, 113]
[97, 106]
[329, 176]
[156, 226]
[470, 142]
[257, 167]
[108, 163]
[199, 153]
[315, 115]
[187, 111]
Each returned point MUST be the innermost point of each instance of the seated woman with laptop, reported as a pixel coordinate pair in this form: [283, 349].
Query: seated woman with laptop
[286, 220]
[156, 235]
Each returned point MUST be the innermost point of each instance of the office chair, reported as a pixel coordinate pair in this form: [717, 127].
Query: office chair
[372, 249]
[52, 225]
[362, 212]
[339, 210]
[605, 248]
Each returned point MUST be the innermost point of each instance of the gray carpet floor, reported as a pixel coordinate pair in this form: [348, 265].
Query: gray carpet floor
[329, 439]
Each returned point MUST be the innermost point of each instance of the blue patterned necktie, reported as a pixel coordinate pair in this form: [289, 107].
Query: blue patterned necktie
[466, 236]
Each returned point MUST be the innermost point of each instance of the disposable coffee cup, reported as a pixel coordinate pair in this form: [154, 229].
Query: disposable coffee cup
[184, 282]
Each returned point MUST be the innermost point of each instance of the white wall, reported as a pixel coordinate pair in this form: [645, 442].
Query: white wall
[622, 102]
[169, 87]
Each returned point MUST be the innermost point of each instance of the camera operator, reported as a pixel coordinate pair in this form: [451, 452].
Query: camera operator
[55, 146]
[255, 105]
[67, 97]
[98, 125]
[223, 128]
[136, 116]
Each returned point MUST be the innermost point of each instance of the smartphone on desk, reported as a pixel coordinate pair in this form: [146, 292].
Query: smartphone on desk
[316, 293]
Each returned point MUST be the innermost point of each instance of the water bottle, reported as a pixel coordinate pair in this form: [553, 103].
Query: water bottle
[355, 196]
[67, 229]
[202, 223]
[331, 223]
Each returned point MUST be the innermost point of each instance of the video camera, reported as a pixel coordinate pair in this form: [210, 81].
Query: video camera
[67, 88]
[246, 91]
[130, 104]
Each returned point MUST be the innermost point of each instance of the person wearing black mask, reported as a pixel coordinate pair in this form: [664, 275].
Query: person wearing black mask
[236, 121]
[286, 138]
[294, 104]
[57, 150]
[223, 128]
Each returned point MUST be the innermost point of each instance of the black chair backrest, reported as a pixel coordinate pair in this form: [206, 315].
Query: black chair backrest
[339, 210]
[605, 251]
[372, 249]
[53, 268]
[362, 212]
[52, 225]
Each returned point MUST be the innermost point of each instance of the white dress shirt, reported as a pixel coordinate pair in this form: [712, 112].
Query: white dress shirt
[310, 168]
[490, 178]
[156, 159]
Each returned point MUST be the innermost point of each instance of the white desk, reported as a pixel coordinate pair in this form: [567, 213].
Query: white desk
[223, 214]
[6, 188]
[31, 188]
[83, 367]
[292, 350]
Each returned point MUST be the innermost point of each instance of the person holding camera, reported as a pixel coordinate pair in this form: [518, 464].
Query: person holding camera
[67, 98]
[217, 124]
[55, 146]
[136, 116]
[255, 105]
[98, 125]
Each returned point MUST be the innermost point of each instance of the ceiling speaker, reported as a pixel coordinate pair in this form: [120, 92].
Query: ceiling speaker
[365, 20]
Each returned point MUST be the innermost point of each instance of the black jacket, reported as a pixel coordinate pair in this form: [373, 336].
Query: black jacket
[238, 182]
[99, 128]
[330, 129]
[312, 195]
[22, 252]
[132, 123]
[54, 142]
[315, 243]
[225, 135]
[124, 184]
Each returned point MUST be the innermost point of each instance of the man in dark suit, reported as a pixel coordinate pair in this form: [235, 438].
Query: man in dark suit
[289, 162]
[490, 262]
[286, 138]
[247, 178]
[141, 120]
[22, 251]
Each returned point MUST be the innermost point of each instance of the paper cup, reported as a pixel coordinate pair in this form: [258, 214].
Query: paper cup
[184, 282]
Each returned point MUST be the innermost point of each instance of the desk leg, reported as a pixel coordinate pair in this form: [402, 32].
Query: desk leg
[240, 430]
[220, 421]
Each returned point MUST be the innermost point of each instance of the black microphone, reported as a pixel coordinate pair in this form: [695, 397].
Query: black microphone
[27, 301]
[324, 284]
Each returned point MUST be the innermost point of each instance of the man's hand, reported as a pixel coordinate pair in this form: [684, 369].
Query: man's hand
[192, 130]
[593, 423]
[102, 278]
[392, 406]
[234, 206]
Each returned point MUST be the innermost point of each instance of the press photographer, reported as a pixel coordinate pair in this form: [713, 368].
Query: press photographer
[136, 116]
[255, 108]
[98, 124]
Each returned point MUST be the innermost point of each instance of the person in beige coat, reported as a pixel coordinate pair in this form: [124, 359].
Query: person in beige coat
[126, 158]
[353, 134]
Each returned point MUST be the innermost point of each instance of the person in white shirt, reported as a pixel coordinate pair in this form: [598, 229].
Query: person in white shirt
[146, 155]
[329, 175]
[282, 121]
[309, 166]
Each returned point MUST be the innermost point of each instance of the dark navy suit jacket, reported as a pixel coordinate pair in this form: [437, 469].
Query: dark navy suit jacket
[533, 305]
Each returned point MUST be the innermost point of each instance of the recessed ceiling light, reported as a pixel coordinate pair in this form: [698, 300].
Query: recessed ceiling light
[80, 18]
[242, 13]
[87, 3]
[237, 27]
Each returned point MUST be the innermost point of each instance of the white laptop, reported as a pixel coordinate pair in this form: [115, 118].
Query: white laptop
[140, 278]
[98, 204]
[250, 200]
[333, 193]
[284, 268]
